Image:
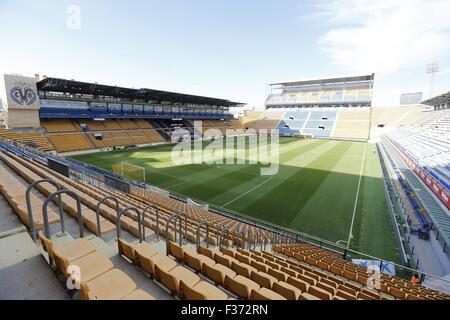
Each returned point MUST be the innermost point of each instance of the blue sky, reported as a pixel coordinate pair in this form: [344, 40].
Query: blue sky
[229, 48]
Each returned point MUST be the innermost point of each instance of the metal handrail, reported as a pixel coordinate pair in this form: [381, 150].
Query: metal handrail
[199, 226]
[74, 195]
[118, 226]
[218, 231]
[177, 218]
[221, 236]
[30, 209]
[184, 216]
[152, 206]
[99, 232]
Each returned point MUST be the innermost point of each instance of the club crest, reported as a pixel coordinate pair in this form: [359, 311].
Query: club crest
[22, 94]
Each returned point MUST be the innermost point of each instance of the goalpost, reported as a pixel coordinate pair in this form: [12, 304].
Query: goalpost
[130, 171]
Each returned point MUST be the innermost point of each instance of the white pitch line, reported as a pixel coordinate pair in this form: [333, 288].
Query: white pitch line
[165, 174]
[357, 197]
[177, 184]
[257, 186]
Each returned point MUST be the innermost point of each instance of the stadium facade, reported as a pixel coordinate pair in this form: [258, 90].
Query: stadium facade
[411, 98]
[353, 91]
[51, 118]
[29, 100]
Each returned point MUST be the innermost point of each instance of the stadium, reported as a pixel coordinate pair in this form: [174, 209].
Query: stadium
[115, 192]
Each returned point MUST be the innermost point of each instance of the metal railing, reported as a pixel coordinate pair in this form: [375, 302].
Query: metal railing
[30, 209]
[199, 226]
[97, 211]
[152, 206]
[45, 212]
[119, 228]
[176, 218]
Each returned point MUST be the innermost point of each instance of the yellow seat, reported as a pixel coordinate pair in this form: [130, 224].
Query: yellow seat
[345, 295]
[176, 250]
[218, 272]
[279, 275]
[397, 293]
[265, 294]
[196, 261]
[71, 251]
[75, 249]
[259, 266]
[241, 286]
[112, 285]
[307, 296]
[225, 260]
[207, 252]
[138, 295]
[164, 263]
[299, 284]
[286, 290]
[171, 278]
[327, 288]
[126, 249]
[202, 291]
[143, 250]
[263, 279]
[242, 269]
[91, 265]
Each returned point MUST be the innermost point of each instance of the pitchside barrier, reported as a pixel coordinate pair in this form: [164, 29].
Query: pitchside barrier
[284, 235]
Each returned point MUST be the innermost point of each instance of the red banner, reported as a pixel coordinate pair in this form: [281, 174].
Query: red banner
[434, 185]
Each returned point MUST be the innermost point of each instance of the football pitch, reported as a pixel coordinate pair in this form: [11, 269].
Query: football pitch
[329, 189]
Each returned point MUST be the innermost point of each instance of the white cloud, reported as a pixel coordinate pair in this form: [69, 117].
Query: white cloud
[384, 36]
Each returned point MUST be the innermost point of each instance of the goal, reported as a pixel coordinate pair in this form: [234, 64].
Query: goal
[129, 171]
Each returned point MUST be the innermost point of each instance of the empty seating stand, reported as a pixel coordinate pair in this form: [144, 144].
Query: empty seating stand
[34, 139]
[179, 280]
[291, 271]
[67, 142]
[340, 278]
[99, 280]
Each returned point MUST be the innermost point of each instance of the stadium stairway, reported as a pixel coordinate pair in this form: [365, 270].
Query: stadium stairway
[160, 128]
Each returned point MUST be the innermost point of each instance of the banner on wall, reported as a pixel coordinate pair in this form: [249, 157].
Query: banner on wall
[434, 185]
[382, 266]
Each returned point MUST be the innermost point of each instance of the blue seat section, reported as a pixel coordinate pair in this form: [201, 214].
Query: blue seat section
[318, 115]
[308, 122]
[319, 119]
[70, 113]
[317, 132]
[293, 122]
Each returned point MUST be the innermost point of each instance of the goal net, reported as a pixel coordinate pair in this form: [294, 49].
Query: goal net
[129, 171]
[202, 206]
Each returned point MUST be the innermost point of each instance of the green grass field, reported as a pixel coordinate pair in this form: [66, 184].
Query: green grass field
[314, 190]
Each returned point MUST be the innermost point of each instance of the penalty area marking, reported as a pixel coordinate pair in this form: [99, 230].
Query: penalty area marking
[165, 174]
[255, 187]
[357, 197]
[177, 184]
[171, 176]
